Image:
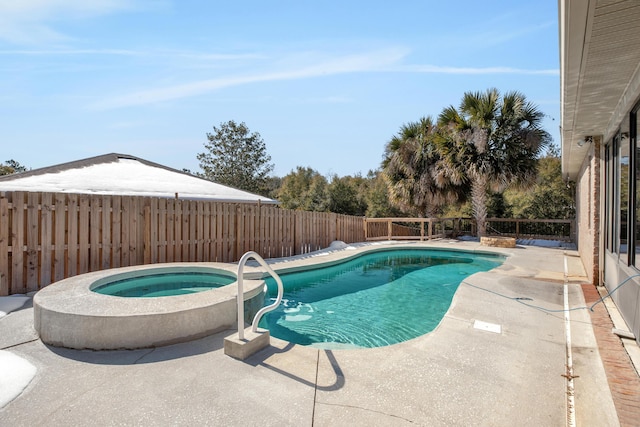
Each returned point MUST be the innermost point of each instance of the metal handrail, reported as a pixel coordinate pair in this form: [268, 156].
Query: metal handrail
[263, 310]
[493, 230]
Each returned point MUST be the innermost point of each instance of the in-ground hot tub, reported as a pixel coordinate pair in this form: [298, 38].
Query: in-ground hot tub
[70, 314]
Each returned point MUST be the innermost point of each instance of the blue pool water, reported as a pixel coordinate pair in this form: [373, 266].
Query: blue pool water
[164, 284]
[374, 300]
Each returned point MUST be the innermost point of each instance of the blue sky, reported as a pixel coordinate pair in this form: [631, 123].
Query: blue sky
[326, 84]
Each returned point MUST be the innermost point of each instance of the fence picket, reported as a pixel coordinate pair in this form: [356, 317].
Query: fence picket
[83, 235]
[177, 224]
[185, 231]
[72, 238]
[206, 231]
[18, 243]
[125, 239]
[199, 232]
[116, 231]
[105, 234]
[4, 246]
[139, 204]
[218, 234]
[192, 230]
[33, 234]
[59, 235]
[94, 232]
[162, 229]
[45, 206]
[171, 230]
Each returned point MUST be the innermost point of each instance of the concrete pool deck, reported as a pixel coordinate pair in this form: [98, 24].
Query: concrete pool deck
[465, 372]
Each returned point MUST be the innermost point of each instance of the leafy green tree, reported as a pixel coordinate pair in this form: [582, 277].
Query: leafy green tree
[409, 171]
[273, 184]
[11, 166]
[497, 206]
[304, 189]
[346, 195]
[377, 197]
[237, 158]
[490, 142]
[550, 198]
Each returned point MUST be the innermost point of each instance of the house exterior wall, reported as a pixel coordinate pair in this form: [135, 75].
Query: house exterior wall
[600, 95]
[588, 212]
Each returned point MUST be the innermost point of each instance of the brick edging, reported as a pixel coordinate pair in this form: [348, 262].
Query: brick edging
[624, 381]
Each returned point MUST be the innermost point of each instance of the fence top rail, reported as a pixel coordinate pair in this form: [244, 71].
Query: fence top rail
[401, 219]
[550, 221]
[406, 219]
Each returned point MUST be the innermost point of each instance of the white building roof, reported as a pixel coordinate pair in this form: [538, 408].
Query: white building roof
[599, 72]
[122, 174]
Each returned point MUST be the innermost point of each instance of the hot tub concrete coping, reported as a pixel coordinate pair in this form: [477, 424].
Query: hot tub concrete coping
[74, 295]
[69, 314]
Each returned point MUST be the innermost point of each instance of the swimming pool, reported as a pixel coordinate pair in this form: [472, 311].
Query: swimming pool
[374, 300]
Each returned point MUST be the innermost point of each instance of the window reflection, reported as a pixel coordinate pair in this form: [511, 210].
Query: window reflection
[636, 163]
[608, 195]
[624, 195]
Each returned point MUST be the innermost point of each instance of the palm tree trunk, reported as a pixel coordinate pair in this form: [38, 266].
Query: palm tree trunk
[479, 203]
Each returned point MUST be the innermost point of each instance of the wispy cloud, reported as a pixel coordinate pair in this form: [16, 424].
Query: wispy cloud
[437, 69]
[70, 52]
[331, 100]
[503, 35]
[501, 31]
[129, 52]
[127, 124]
[372, 61]
[30, 21]
[73, 60]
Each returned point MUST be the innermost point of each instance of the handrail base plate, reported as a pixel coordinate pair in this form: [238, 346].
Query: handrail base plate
[251, 344]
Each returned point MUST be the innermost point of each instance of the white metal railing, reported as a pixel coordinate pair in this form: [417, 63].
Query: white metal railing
[263, 310]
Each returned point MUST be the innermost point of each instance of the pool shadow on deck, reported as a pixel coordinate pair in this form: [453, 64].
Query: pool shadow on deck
[210, 344]
[195, 347]
[261, 359]
[15, 303]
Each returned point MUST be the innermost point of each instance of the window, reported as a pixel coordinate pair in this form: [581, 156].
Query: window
[623, 192]
[608, 197]
[633, 134]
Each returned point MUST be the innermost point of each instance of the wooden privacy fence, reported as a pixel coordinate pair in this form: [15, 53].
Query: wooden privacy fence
[46, 237]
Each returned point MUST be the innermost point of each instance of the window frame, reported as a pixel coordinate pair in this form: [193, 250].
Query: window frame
[634, 163]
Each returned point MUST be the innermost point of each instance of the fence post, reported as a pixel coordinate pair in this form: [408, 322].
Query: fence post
[364, 224]
[422, 230]
[146, 244]
[389, 229]
[4, 245]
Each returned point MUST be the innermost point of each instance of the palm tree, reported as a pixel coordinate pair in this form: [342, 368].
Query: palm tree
[408, 170]
[490, 142]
